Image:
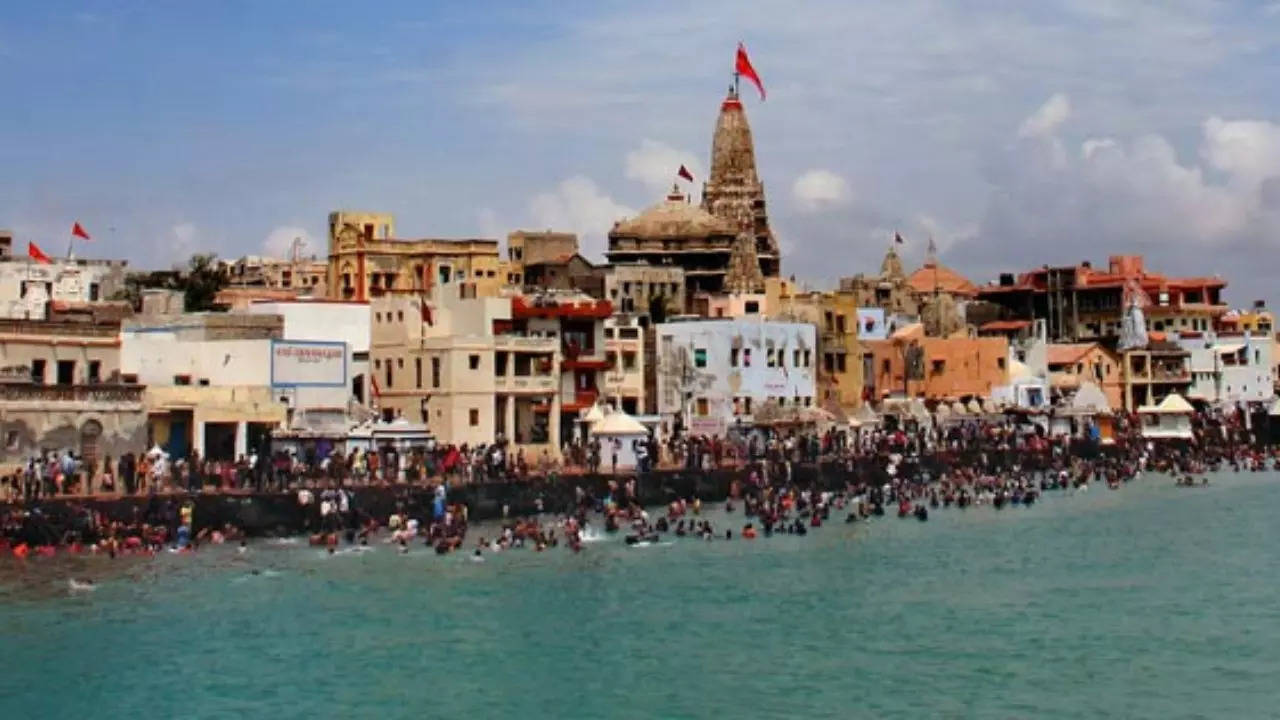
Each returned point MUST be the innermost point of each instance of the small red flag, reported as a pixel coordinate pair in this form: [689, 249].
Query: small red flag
[373, 382]
[79, 232]
[742, 66]
[684, 173]
[35, 253]
[898, 239]
[426, 314]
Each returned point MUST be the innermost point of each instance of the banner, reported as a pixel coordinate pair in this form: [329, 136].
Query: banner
[303, 363]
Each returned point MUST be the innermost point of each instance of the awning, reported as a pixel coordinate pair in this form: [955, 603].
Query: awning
[1229, 349]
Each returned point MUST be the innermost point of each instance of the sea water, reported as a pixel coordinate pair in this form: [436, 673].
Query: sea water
[1152, 601]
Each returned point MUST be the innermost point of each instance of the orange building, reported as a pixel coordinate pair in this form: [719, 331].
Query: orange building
[934, 368]
[1070, 364]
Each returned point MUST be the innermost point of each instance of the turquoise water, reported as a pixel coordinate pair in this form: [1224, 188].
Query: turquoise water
[1148, 602]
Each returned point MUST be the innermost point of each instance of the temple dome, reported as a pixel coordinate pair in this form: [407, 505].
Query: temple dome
[674, 218]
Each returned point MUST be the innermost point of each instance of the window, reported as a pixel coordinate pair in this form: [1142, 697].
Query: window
[733, 357]
[608, 333]
[752, 307]
[629, 333]
[37, 372]
[66, 372]
[181, 379]
[700, 357]
[95, 371]
[94, 292]
[473, 362]
[12, 440]
[435, 372]
[939, 366]
[611, 359]
[840, 362]
[475, 417]
[840, 323]
[1000, 363]
[417, 371]
[702, 407]
[795, 358]
[377, 317]
[884, 366]
[400, 315]
[829, 319]
[377, 363]
[769, 358]
[389, 375]
[746, 357]
[747, 405]
[808, 360]
[628, 361]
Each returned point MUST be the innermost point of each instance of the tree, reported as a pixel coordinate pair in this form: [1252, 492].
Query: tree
[202, 281]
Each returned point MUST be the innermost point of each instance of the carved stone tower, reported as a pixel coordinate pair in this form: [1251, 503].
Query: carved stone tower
[734, 191]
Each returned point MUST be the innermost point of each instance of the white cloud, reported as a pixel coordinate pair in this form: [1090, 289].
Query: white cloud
[578, 205]
[817, 190]
[279, 243]
[655, 164]
[1046, 120]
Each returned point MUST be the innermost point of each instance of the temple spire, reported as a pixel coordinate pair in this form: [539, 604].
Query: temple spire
[733, 190]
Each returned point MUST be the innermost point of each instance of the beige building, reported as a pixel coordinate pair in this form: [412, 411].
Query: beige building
[840, 357]
[366, 261]
[934, 293]
[61, 389]
[624, 380]
[299, 275]
[459, 367]
[636, 288]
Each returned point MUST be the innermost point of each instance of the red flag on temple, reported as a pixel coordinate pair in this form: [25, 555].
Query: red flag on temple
[684, 173]
[742, 66]
[35, 253]
[77, 231]
[426, 314]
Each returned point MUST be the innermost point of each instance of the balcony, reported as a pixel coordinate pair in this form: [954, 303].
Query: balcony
[71, 397]
[582, 400]
[535, 384]
[550, 307]
[577, 357]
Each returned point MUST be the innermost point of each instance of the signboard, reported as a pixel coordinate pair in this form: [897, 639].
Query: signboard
[871, 324]
[305, 363]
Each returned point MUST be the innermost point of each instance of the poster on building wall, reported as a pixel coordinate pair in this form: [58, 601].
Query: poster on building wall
[299, 363]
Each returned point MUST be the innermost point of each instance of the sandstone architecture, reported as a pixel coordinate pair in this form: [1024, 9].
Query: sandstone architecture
[704, 240]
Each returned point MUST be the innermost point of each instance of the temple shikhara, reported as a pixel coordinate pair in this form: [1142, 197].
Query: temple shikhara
[718, 241]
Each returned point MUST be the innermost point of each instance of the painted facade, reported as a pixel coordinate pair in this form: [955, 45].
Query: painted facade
[1073, 364]
[27, 287]
[624, 380]
[714, 374]
[1229, 369]
[61, 389]
[461, 368]
[952, 368]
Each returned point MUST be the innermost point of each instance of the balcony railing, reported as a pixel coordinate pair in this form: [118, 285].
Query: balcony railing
[106, 393]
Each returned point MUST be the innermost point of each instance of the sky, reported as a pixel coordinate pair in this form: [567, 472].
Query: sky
[1013, 133]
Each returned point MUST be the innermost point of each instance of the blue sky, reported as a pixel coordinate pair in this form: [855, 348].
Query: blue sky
[1014, 133]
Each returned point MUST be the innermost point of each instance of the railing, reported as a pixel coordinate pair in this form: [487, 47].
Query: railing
[9, 326]
[19, 392]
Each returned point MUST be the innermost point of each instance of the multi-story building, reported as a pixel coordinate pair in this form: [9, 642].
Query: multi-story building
[839, 364]
[934, 294]
[1073, 364]
[366, 261]
[219, 383]
[61, 389]
[716, 374]
[910, 364]
[1080, 303]
[461, 367]
[300, 275]
[1152, 372]
[1229, 369]
[1258, 320]
[624, 346]
[27, 287]
[637, 289]
[578, 322]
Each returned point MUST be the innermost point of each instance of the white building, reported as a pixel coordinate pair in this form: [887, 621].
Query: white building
[1229, 369]
[712, 374]
[328, 321]
[27, 287]
[219, 383]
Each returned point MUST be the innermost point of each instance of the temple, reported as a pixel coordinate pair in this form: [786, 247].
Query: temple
[706, 241]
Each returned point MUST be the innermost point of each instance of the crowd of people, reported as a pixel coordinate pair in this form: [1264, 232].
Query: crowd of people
[909, 471]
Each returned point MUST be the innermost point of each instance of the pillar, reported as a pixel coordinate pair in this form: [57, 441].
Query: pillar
[242, 439]
[509, 421]
[197, 436]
